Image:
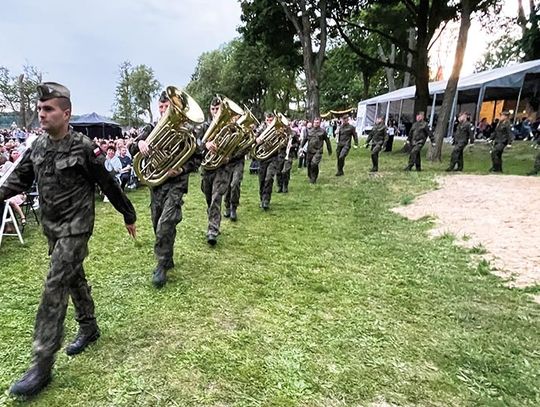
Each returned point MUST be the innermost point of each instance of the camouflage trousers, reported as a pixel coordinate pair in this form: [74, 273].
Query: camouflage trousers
[415, 156]
[232, 196]
[496, 157]
[341, 153]
[65, 279]
[313, 161]
[267, 171]
[457, 157]
[166, 210]
[284, 174]
[375, 150]
[214, 185]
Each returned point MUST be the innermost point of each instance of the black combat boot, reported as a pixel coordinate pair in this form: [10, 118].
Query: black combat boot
[159, 278]
[34, 380]
[227, 212]
[265, 205]
[211, 239]
[84, 338]
[233, 213]
[286, 187]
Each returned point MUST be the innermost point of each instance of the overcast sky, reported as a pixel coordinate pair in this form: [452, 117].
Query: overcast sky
[81, 43]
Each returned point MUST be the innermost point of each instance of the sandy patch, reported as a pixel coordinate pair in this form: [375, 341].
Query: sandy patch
[499, 212]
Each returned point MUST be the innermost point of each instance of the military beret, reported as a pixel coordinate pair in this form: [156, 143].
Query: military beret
[51, 90]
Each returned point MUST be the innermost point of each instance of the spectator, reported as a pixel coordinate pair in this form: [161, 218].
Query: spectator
[126, 162]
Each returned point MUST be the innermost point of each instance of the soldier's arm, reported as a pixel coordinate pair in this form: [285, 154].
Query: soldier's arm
[370, 136]
[20, 179]
[109, 186]
[355, 137]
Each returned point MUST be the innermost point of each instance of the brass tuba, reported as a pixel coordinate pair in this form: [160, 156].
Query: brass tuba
[274, 137]
[246, 123]
[171, 142]
[225, 133]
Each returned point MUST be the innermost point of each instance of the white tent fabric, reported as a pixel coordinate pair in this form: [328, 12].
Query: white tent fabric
[508, 77]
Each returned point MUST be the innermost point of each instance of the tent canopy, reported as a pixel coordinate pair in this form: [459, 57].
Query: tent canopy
[92, 119]
[514, 82]
[96, 126]
[507, 77]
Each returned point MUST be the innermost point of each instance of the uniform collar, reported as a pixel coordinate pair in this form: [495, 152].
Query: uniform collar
[63, 145]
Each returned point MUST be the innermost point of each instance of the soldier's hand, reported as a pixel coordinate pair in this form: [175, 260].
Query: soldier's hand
[143, 147]
[211, 146]
[173, 173]
[132, 230]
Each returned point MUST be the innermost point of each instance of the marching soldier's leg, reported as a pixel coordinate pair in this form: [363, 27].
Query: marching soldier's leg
[375, 157]
[412, 159]
[67, 255]
[262, 177]
[453, 159]
[315, 166]
[235, 187]
[309, 163]
[271, 172]
[340, 162]
[219, 187]
[80, 293]
[286, 174]
[227, 198]
[166, 233]
[418, 161]
[460, 159]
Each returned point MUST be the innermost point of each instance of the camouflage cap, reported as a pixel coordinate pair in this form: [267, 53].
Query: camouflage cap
[51, 90]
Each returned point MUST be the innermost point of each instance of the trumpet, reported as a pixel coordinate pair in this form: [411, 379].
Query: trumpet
[171, 142]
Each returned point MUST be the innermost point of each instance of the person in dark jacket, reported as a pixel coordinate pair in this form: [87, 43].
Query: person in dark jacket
[463, 135]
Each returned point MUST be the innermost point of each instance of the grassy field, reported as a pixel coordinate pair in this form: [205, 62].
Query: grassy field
[328, 299]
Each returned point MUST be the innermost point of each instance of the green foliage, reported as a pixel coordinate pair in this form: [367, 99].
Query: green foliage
[18, 93]
[328, 299]
[530, 40]
[135, 90]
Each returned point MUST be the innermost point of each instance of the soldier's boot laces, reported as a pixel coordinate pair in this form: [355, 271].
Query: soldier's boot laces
[159, 278]
[233, 214]
[84, 338]
[34, 380]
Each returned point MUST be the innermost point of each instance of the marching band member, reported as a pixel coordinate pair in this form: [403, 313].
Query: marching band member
[166, 202]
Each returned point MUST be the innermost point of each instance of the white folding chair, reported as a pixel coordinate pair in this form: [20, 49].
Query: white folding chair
[9, 217]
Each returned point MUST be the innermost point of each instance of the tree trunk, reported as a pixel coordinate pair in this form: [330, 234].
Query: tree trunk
[22, 105]
[389, 71]
[366, 81]
[422, 77]
[407, 75]
[451, 87]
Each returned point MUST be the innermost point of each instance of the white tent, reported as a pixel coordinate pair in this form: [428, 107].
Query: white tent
[500, 83]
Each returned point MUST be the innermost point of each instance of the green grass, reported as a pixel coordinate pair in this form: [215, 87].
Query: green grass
[328, 299]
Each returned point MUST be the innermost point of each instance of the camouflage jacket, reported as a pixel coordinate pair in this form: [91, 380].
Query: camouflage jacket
[345, 134]
[464, 134]
[502, 133]
[419, 133]
[377, 135]
[316, 137]
[66, 172]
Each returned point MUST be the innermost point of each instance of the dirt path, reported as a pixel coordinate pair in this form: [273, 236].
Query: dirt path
[499, 212]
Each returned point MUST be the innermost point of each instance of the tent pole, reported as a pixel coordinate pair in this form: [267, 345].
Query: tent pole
[481, 95]
[518, 99]
[494, 111]
[387, 113]
[400, 111]
[432, 115]
[376, 110]
[450, 131]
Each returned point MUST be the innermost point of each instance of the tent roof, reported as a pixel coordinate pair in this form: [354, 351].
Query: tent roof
[507, 77]
[92, 119]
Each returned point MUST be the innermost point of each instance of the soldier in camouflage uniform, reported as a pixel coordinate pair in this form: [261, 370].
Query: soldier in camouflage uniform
[214, 183]
[315, 140]
[269, 168]
[232, 196]
[166, 202]
[284, 173]
[66, 166]
[417, 138]
[345, 133]
[501, 137]
[463, 135]
[377, 137]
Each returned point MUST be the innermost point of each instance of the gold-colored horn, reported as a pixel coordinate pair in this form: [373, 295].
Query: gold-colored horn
[172, 142]
[247, 123]
[274, 137]
[225, 133]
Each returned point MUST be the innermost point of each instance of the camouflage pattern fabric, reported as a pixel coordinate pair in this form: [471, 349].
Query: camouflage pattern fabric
[232, 196]
[267, 171]
[166, 210]
[214, 185]
[312, 161]
[65, 279]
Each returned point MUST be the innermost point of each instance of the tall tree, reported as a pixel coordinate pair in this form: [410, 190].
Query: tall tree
[135, 90]
[423, 16]
[18, 92]
[309, 19]
[467, 7]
